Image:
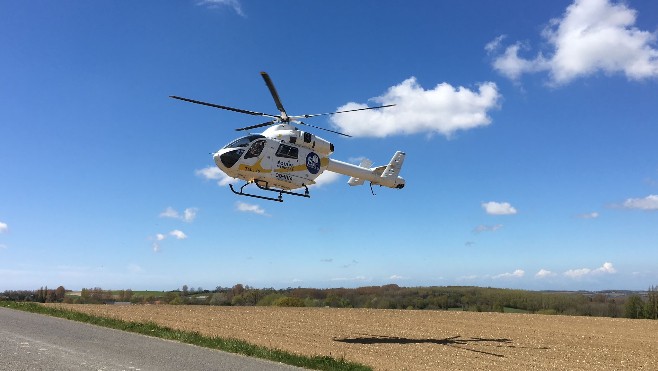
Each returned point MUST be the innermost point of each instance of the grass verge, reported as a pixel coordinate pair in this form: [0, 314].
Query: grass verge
[224, 344]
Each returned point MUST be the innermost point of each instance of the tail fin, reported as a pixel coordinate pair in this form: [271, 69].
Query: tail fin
[389, 177]
[393, 168]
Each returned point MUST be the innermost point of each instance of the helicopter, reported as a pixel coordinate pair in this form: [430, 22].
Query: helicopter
[284, 158]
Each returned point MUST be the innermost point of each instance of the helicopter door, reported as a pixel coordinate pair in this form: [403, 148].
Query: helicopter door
[255, 150]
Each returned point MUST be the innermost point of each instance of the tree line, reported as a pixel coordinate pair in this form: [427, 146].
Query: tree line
[466, 298]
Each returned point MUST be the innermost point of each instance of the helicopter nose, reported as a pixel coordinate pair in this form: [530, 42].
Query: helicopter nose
[226, 159]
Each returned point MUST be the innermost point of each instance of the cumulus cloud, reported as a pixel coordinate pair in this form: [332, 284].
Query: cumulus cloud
[249, 208]
[444, 109]
[179, 235]
[214, 4]
[327, 177]
[498, 208]
[591, 36]
[544, 273]
[188, 214]
[397, 277]
[606, 268]
[487, 228]
[213, 173]
[647, 203]
[516, 274]
[3, 227]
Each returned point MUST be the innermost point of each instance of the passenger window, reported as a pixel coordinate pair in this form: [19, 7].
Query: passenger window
[287, 151]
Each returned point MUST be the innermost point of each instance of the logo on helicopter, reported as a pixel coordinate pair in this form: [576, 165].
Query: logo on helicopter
[313, 163]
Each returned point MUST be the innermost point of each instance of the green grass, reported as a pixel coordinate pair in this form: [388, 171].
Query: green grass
[224, 344]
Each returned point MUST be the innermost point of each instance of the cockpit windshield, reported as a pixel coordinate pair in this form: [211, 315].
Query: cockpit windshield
[244, 141]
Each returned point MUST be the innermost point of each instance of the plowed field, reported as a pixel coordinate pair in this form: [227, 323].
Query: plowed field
[419, 340]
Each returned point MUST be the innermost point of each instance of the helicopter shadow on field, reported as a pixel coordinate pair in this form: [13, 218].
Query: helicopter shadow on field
[454, 341]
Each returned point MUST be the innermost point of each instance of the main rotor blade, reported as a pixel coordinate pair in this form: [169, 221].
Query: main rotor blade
[275, 95]
[253, 113]
[257, 126]
[317, 127]
[333, 113]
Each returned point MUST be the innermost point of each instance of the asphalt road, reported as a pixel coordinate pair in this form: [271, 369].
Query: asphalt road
[31, 341]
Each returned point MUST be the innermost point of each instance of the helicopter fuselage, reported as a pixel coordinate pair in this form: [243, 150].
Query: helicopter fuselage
[286, 158]
[282, 156]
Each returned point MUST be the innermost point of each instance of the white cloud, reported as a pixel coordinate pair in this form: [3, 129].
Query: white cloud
[543, 273]
[214, 173]
[3, 227]
[249, 208]
[512, 66]
[397, 277]
[592, 215]
[487, 228]
[169, 213]
[444, 110]
[179, 235]
[577, 273]
[159, 237]
[327, 177]
[233, 4]
[494, 44]
[498, 208]
[516, 274]
[648, 203]
[592, 36]
[606, 268]
[188, 214]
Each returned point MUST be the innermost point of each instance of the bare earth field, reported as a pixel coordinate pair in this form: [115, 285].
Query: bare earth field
[418, 340]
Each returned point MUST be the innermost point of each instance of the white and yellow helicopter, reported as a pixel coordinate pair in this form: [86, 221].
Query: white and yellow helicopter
[284, 158]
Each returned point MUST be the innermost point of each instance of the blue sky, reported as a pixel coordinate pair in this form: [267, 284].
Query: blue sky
[530, 131]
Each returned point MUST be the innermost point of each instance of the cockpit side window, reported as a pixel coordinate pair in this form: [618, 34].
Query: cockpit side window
[287, 151]
[255, 149]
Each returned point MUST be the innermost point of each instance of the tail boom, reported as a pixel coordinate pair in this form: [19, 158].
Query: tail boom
[386, 176]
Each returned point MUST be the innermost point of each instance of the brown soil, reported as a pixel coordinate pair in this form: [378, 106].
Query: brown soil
[419, 340]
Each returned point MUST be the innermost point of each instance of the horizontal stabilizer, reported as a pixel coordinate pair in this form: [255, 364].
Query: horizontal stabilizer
[354, 181]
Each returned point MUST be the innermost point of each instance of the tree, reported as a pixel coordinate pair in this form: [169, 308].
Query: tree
[634, 307]
[238, 289]
[651, 306]
[60, 292]
[288, 301]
